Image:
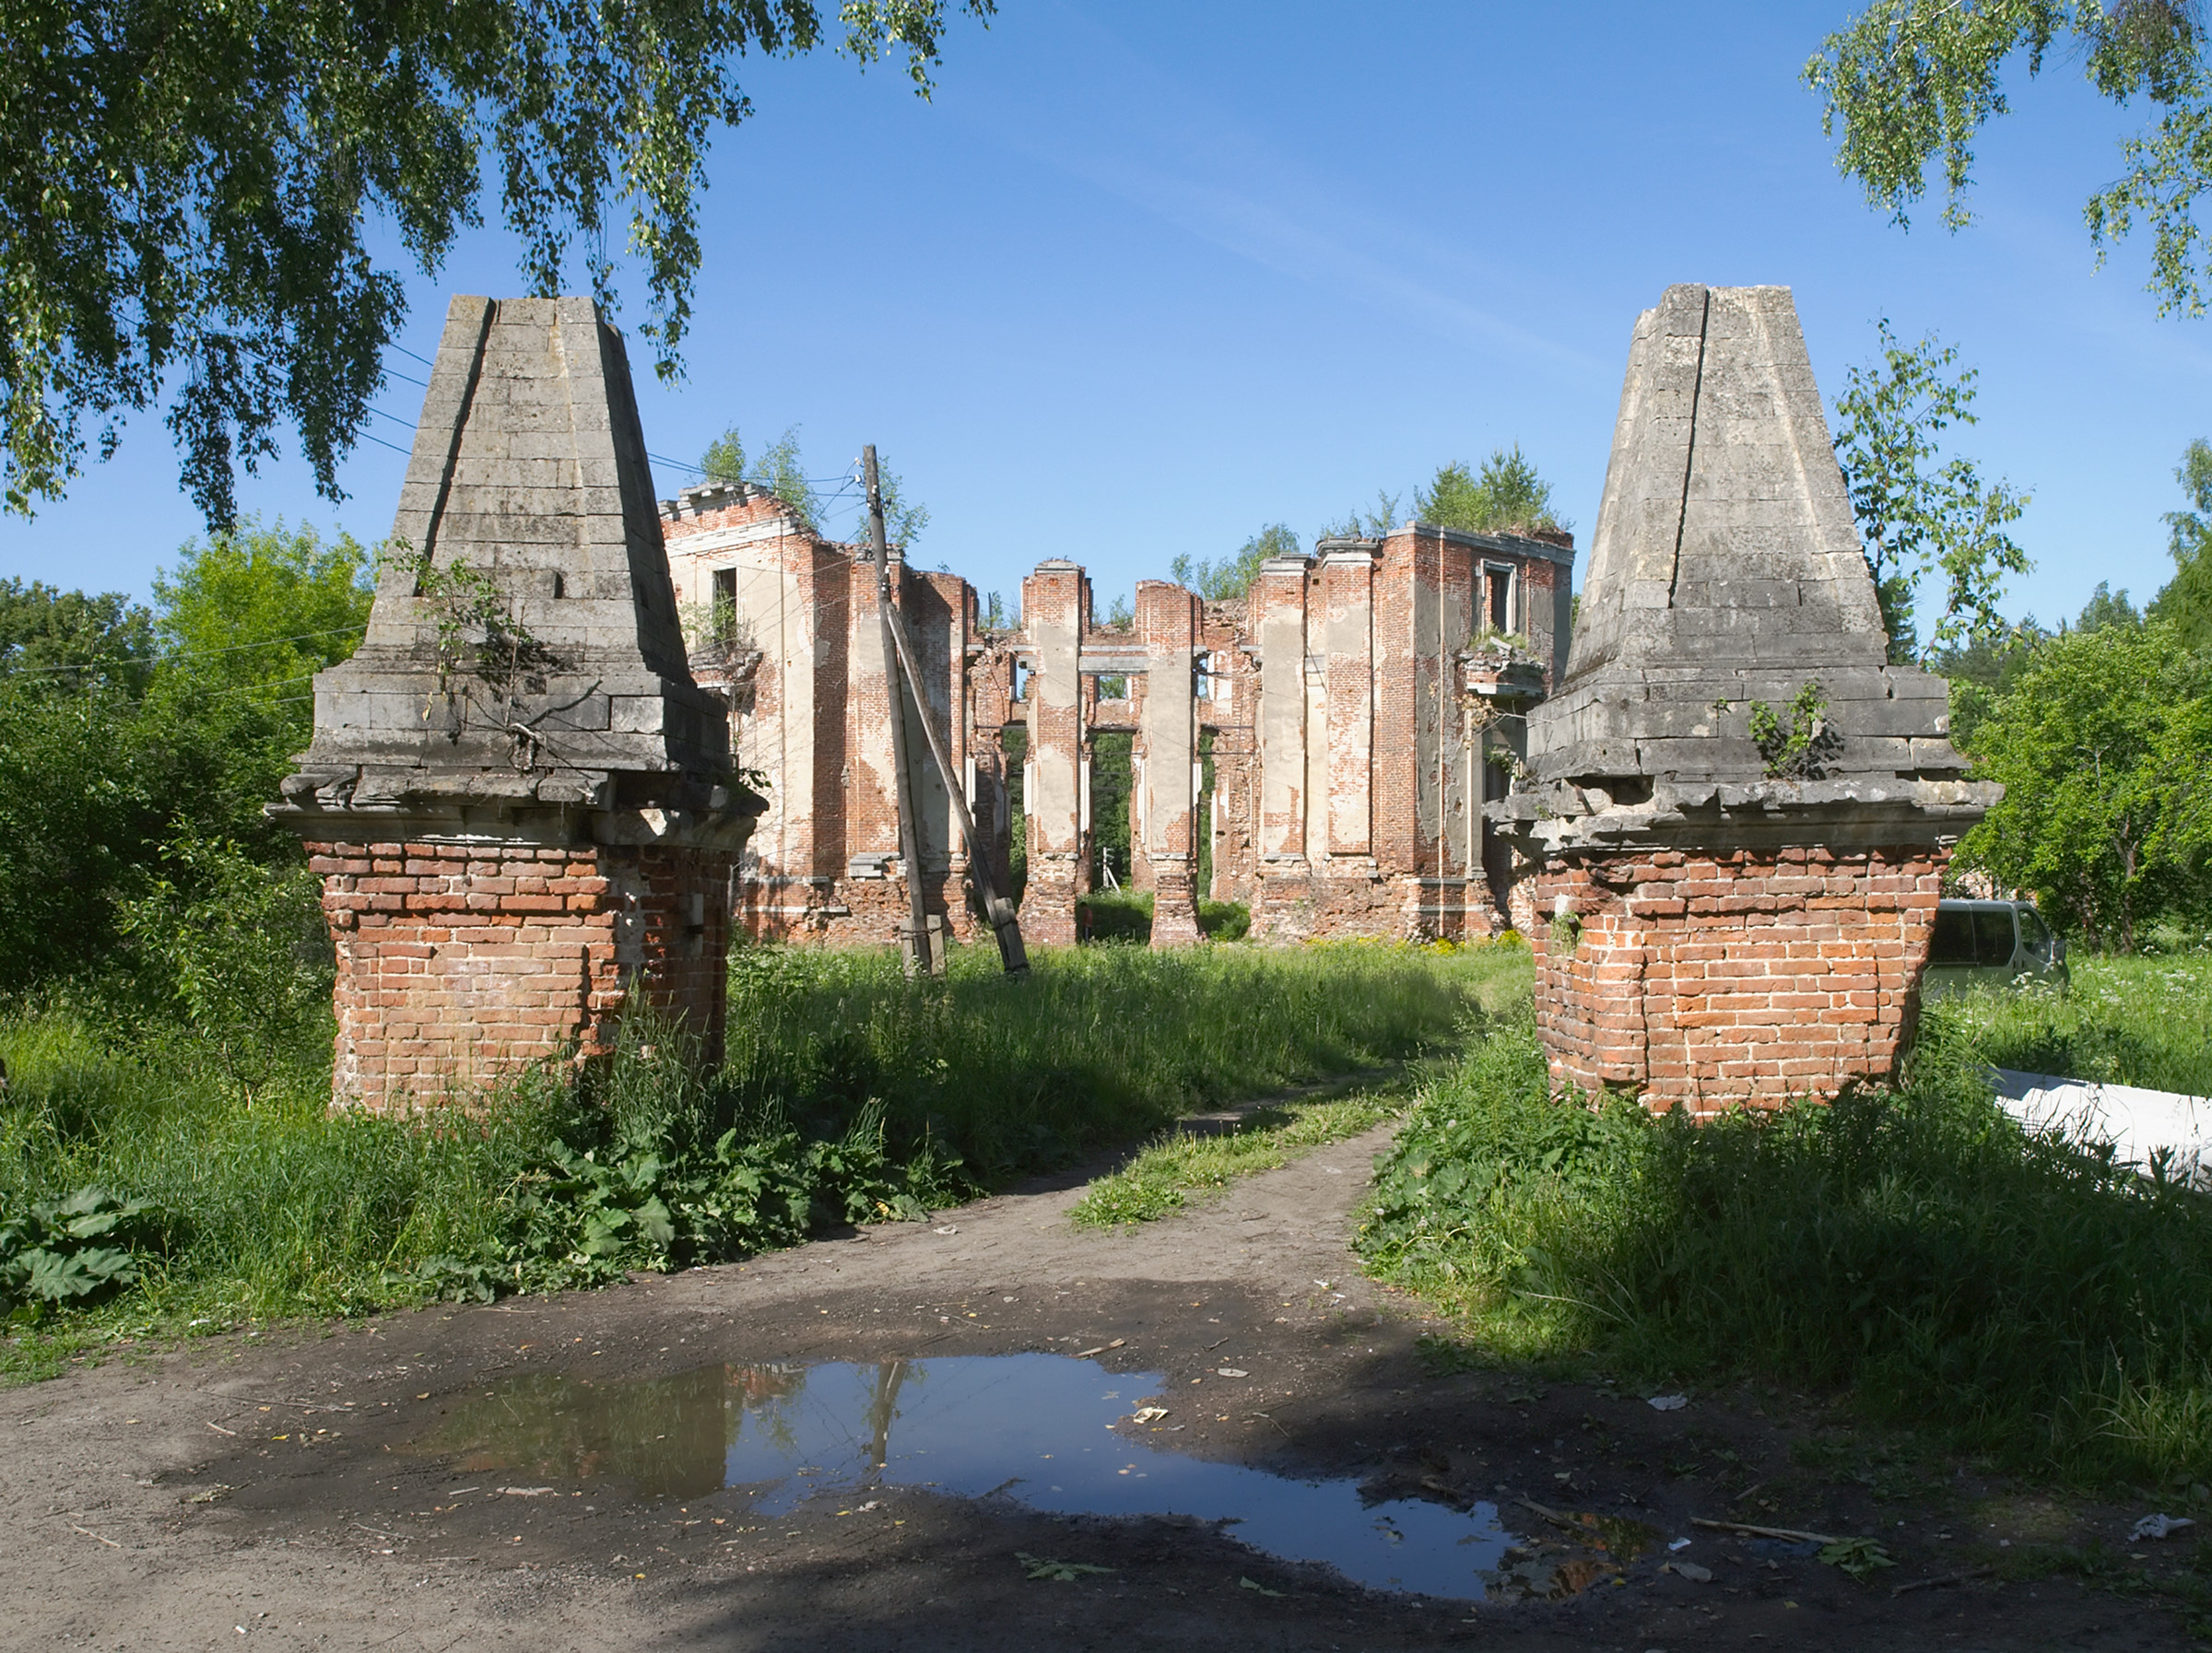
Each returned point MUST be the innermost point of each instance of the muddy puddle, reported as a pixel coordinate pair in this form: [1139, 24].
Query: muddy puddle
[1054, 1433]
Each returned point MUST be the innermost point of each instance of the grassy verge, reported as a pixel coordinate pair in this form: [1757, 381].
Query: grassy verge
[848, 1094]
[1170, 1171]
[2015, 1294]
[2143, 1021]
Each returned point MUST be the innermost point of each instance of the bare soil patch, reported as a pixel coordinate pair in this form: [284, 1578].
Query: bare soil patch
[171, 1499]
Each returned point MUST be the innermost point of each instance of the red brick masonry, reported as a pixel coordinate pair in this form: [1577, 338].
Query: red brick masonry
[459, 964]
[1736, 976]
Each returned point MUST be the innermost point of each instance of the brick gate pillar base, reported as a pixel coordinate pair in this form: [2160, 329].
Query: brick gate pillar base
[462, 964]
[1705, 975]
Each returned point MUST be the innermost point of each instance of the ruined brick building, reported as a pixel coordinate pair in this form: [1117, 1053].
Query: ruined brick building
[1324, 745]
[521, 793]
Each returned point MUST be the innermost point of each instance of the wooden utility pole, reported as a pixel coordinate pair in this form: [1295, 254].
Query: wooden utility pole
[920, 954]
[1012, 953]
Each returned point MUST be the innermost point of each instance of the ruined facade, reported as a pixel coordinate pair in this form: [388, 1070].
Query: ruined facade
[1323, 745]
[519, 802]
[1731, 908]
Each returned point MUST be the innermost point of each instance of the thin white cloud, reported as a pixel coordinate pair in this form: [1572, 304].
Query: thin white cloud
[1153, 143]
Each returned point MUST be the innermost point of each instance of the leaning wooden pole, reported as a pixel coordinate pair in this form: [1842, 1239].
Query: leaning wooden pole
[918, 953]
[1012, 953]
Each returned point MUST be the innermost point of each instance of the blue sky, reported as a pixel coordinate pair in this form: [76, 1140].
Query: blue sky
[1145, 278]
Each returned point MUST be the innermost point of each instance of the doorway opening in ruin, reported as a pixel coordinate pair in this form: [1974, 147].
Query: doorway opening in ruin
[1014, 741]
[1112, 775]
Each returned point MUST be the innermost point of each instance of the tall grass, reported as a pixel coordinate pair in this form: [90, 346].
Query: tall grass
[279, 1207]
[1099, 1044]
[2143, 1021]
[2015, 1293]
[847, 1091]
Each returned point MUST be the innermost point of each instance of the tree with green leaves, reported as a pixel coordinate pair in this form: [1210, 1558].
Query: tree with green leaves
[186, 193]
[1232, 577]
[1371, 524]
[1505, 496]
[2104, 744]
[68, 640]
[111, 773]
[2107, 607]
[246, 619]
[1920, 513]
[2186, 599]
[1911, 83]
[781, 470]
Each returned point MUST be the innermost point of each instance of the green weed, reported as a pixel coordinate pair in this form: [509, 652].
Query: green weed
[848, 1094]
[1168, 1172]
[2015, 1294]
[2143, 1020]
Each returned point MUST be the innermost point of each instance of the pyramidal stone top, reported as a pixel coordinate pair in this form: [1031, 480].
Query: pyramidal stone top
[528, 502]
[1725, 572]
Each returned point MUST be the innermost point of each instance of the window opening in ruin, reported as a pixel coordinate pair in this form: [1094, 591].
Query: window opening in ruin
[1497, 775]
[1113, 772]
[1113, 687]
[1202, 882]
[1201, 677]
[725, 607]
[1499, 598]
[1014, 741]
[1021, 683]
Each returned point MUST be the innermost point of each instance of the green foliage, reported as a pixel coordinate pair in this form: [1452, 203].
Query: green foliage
[1112, 774]
[2187, 600]
[66, 641]
[1861, 1557]
[847, 1093]
[1359, 524]
[66, 1251]
[1123, 915]
[246, 618]
[1793, 747]
[1918, 516]
[243, 952]
[1171, 1168]
[1914, 81]
[1224, 921]
[2104, 745]
[107, 769]
[2107, 607]
[782, 470]
[1232, 575]
[1506, 496]
[783, 474]
[2017, 1294]
[81, 810]
[724, 459]
[190, 189]
[2143, 1020]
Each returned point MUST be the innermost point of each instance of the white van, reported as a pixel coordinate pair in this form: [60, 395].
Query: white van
[1997, 943]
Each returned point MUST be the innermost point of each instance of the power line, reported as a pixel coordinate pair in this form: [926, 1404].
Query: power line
[162, 659]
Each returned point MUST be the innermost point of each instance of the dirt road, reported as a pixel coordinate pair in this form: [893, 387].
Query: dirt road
[334, 1489]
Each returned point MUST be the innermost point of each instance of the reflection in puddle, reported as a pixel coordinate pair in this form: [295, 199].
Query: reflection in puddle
[1038, 1428]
